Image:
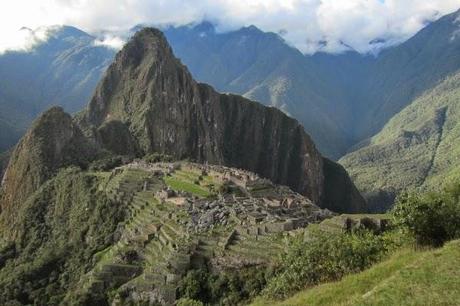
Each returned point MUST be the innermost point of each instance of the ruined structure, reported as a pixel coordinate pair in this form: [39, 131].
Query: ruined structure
[180, 216]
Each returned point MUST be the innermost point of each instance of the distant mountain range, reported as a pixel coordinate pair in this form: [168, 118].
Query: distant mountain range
[342, 100]
[64, 71]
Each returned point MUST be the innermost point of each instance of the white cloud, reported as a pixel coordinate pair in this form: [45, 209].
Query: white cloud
[24, 39]
[110, 41]
[306, 23]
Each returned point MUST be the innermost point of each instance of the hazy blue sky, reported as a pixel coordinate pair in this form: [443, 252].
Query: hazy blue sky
[306, 24]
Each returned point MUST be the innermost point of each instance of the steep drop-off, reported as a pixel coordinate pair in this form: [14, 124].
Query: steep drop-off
[166, 111]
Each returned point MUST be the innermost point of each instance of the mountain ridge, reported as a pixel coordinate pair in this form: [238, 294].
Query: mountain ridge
[339, 99]
[415, 150]
[62, 70]
[350, 95]
[149, 103]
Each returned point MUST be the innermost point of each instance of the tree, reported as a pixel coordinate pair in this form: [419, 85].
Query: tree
[433, 218]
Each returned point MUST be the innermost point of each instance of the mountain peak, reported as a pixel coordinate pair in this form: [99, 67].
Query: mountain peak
[53, 141]
[145, 41]
[160, 108]
[148, 33]
[251, 29]
[69, 31]
[205, 26]
[146, 55]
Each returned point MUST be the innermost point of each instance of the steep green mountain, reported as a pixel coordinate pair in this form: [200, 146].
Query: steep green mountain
[416, 149]
[150, 96]
[52, 142]
[401, 74]
[63, 70]
[94, 212]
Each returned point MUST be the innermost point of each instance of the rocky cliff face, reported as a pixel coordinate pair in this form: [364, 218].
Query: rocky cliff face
[165, 110]
[52, 142]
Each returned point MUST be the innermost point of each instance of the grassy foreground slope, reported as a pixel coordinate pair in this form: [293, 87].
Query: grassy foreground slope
[418, 148]
[407, 278]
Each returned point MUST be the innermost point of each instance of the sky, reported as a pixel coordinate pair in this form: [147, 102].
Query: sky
[309, 25]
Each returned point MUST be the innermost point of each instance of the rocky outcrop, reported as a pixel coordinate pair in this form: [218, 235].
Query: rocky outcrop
[52, 142]
[166, 111]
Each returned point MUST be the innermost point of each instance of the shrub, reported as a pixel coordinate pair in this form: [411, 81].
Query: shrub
[226, 288]
[322, 257]
[158, 157]
[192, 286]
[432, 218]
[189, 302]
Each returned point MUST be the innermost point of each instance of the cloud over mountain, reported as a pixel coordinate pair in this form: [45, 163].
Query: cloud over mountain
[310, 25]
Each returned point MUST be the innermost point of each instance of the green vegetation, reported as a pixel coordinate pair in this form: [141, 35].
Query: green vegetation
[417, 149]
[157, 157]
[224, 288]
[62, 226]
[106, 163]
[48, 265]
[191, 181]
[432, 218]
[180, 185]
[321, 257]
[409, 277]
[189, 302]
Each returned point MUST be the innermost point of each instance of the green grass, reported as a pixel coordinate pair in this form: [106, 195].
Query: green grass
[408, 278]
[182, 185]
